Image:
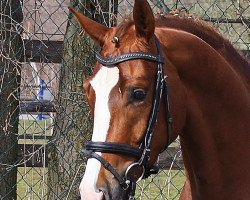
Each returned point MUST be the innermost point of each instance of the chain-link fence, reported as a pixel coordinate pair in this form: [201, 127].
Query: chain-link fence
[44, 116]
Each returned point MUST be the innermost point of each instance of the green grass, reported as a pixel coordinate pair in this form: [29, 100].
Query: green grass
[165, 185]
[35, 126]
[31, 181]
[32, 185]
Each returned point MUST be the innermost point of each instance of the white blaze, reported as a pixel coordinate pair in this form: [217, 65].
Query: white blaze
[103, 82]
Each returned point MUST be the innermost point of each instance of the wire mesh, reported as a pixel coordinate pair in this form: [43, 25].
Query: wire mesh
[45, 121]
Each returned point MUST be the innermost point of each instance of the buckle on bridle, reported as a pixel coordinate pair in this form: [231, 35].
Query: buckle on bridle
[135, 172]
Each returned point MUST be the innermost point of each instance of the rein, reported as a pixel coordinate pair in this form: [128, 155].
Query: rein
[128, 182]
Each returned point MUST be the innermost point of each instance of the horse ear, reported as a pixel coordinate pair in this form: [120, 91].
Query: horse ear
[94, 29]
[144, 19]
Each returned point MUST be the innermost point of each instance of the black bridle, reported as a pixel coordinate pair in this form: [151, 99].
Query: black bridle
[142, 153]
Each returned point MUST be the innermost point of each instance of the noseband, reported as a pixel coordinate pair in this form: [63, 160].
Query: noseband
[142, 153]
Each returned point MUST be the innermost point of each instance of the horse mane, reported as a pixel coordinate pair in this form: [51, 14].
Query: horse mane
[192, 25]
[208, 33]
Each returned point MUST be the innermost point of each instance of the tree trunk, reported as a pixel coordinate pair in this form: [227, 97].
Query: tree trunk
[11, 51]
[72, 123]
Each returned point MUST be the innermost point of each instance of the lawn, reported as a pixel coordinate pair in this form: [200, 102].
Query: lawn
[32, 185]
[166, 185]
[35, 126]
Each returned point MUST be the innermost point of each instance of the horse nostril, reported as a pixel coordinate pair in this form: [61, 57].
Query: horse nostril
[103, 195]
[101, 191]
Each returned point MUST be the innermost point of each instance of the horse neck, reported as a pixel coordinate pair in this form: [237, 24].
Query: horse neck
[216, 137]
[207, 33]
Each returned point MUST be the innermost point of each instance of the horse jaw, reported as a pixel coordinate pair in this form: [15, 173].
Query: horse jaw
[103, 82]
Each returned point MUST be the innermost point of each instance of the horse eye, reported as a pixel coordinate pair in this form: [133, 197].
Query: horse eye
[139, 94]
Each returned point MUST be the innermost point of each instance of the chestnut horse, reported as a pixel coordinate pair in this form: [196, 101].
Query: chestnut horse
[158, 79]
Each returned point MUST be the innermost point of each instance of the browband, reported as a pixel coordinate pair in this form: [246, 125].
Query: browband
[106, 61]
